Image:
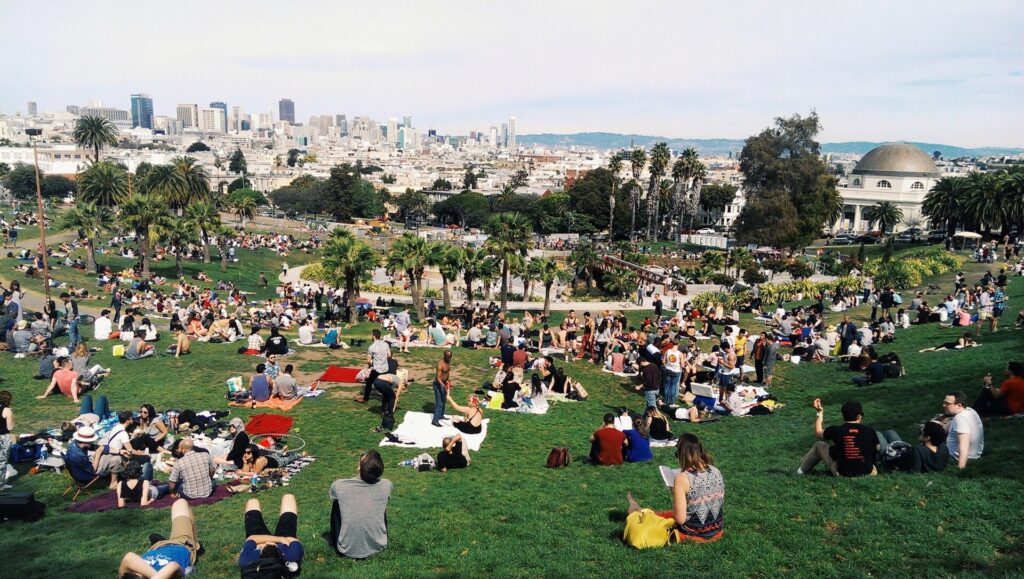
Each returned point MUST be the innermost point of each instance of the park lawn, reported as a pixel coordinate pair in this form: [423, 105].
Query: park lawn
[508, 516]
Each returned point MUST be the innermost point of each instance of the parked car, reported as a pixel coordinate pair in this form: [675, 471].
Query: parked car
[937, 235]
[867, 238]
[842, 240]
[706, 231]
[908, 237]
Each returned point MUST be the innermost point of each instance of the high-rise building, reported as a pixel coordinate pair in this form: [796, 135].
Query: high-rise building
[189, 116]
[492, 140]
[32, 109]
[286, 110]
[342, 123]
[265, 121]
[392, 136]
[142, 111]
[223, 107]
[407, 121]
[120, 117]
[211, 120]
[503, 140]
[512, 133]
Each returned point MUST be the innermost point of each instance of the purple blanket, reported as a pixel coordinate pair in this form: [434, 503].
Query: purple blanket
[108, 501]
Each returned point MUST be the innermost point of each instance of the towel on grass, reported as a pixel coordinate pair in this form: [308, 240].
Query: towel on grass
[339, 374]
[662, 443]
[269, 424]
[417, 430]
[621, 374]
[108, 502]
[271, 404]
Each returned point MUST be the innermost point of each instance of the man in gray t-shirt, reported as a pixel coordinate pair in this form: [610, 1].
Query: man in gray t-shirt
[284, 384]
[359, 510]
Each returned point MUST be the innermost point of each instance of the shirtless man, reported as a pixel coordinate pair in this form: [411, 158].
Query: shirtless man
[442, 384]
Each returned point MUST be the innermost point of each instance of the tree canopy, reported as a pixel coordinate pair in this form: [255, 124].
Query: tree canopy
[197, 147]
[21, 181]
[468, 209]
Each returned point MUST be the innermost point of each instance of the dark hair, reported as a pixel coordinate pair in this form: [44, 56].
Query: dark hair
[376, 334]
[270, 551]
[959, 397]
[1015, 368]
[150, 412]
[371, 467]
[934, 432]
[692, 453]
[132, 470]
[288, 368]
[852, 410]
[609, 418]
[124, 416]
[5, 398]
[261, 368]
[535, 385]
[274, 332]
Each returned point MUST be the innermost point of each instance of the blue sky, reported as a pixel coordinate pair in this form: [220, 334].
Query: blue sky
[939, 71]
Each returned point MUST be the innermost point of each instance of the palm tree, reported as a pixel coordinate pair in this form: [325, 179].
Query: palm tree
[94, 132]
[224, 236]
[245, 209]
[615, 166]
[886, 213]
[531, 273]
[509, 241]
[448, 260]
[348, 261]
[104, 184]
[637, 161]
[207, 218]
[660, 157]
[683, 171]
[89, 220]
[178, 233]
[410, 253]
[475, 264]
[548, 272]
[584, 260]
[945, 202]
[622, 281]
[195, 180]
[146, 216]
[166, 183]
[1012, 188]
[984, 203]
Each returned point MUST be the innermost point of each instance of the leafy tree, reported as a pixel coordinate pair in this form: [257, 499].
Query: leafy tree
[4, 170]
[410, 253]
[469, 180]
[197, 147]
[311, 198]
[146, 215]
[245, 209]
[388, 179]
[236, 162]
[165, 182]
[936, 155]
[441, 185]
[714, 197]
[584, 260]
[367, 169]
[340, 190]
[886, 213]
[224, 236]
[448, 260]
[984, 205]
[307, 159]
[141, 170]
[240, 183]
[94, 132]
[468, 209]
[178, 233]
[236, 196]
[56, 186]
[194, 179]
[548, 272]
[293, 157]
[21, 181]
[412, 205]
[509, 241]
[519, 179]
[89, 220]
[476, 264]
[206, 216]
[367, 202]
[782, 171]
[348, 261]
[103, 183]
[752, 276]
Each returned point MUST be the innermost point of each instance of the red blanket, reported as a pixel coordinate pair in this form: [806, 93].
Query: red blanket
[340, 374]
[269, 424]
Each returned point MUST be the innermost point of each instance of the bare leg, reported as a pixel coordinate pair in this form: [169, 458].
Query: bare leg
[288, 504]
[465, 452]
[254, 505]
[633, 505]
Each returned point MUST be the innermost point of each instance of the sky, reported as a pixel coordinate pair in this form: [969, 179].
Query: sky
[944, 71]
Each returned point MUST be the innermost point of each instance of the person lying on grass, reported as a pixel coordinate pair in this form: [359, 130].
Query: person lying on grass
[932, 455]
[854, 448]
[698, 498]
[454, 454]
[962, 342]
[166, 558]
[266, 555]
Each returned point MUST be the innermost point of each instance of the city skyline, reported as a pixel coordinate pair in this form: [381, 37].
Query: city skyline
[938, 72]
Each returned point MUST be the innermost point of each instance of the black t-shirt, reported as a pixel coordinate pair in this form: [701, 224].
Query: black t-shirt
[277, 345]
[921, 459]
[854, 448]
[876, 372]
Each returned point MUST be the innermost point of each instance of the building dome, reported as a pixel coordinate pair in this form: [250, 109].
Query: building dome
[897, 159]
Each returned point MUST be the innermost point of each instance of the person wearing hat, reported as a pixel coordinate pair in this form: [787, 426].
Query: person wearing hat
[21, 341]
[77, 458]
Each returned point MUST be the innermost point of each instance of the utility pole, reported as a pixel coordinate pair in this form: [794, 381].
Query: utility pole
[41, 218]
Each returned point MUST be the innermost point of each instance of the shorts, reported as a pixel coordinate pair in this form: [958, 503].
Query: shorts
[183, 533]
[287, 524]
[996, 312]
[570, 336]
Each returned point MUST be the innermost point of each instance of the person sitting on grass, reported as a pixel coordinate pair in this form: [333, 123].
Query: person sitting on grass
[874, 373]
[276, 343]
[606, 443]
[698, 498]
[182, 344]
[138, 349]
[285, 385]
[266, 555]
[454, 453]
[260, 385]
[854, 445]
[359, 524]
[166, 558]
[192, 474]
[966, 438]
[471, 421]
[239, 442]
[1006, 400]
[964, 341]
[931, 455]
[638, 444]
[657, 425]
[133, 488]
[67, 381]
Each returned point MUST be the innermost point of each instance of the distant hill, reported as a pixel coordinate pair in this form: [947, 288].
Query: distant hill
[725, 146]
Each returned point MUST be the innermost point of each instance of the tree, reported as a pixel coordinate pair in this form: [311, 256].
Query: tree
[475, 264]
[178, 233]
[104, 184]
[410, 253]
[714, 197]
[146, 215]
[520, 178]
[412, 205]
[94, 132]
[782, 171]
[468, 209]
[236, 196]
[614, 167]
[1012, 190]
[4, 170]
[166, 183]
[984, 205]
[509, 241]
[309, 198]
[448, 260]
[89, 220]
[197, 147]
[293, 157]
[886, 213]
[194, 178]
[388, 179]
[206, 216]
[548, 271]
[936, 155]
[660, 156]
[584, 261]
[637, 162]
[21, 181]
[224, 236]
[441, 185]
[57, 186]
[245, 209]
[469, 180]
[236, 162]
[367, 201]
[340, 190]
[348, 261]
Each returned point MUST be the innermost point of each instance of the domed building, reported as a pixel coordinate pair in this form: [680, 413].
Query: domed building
[896, 172]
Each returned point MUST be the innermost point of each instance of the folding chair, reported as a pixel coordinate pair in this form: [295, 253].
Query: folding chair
[76, 485]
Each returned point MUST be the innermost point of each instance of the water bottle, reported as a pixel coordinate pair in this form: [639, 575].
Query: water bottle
[406, 462]
[253, 482]
[44, 454]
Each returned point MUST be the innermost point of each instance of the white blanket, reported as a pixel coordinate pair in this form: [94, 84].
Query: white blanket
[620, 374]
[416, 429]
[662, 443]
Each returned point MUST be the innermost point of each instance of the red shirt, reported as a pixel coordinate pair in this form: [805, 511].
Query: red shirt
[66, 379]
[609, 445]
[1012, 390]
[519, 358]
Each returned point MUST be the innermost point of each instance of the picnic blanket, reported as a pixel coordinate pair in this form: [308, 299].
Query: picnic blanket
[108, 502]
[339, 374]
[415, 431]
[269, 424]
[621, 374]
[272, 404]
[662, 443]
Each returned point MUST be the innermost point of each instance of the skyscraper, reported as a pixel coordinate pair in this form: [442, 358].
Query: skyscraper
[32, 109]
[342, 122]
[512, 133]
[189, 116]
[211, 120]
[142, 111]
[407, 121]
[503, 140]
[286, 110]
[223, 107]
[392, 135]
[492, 140]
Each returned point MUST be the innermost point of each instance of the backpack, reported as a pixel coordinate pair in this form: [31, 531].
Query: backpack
[558, 457]
[267, 568]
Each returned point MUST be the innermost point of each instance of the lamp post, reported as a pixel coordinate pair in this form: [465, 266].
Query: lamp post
[41, 218]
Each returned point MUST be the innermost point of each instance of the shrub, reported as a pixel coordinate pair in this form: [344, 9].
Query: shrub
[753, 276]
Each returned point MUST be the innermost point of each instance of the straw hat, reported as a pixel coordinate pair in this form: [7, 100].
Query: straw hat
[85, 434]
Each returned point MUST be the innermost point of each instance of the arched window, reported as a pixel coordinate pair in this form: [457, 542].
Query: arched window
[856, 182]
[883, 184]
[917, 185]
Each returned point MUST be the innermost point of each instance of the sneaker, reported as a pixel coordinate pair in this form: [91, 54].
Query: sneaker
[800, 472]
[19, 355]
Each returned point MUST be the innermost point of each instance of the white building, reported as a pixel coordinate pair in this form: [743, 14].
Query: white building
[896, 172]
[189, 116]
[512, 133]
[211, 120]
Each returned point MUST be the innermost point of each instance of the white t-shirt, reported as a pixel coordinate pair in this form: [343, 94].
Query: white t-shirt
[102, 327]
[305, 334]
[117, 438]
[968, 422]
[623, 423]
[736, 402]
[673, 360]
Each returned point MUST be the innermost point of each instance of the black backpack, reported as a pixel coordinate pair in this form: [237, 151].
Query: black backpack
[267, 568]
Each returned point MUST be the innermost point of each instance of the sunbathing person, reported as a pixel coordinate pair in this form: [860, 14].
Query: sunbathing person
[67, 381]
[134, 489]
[166, 558]
[182, 344]
[454, 453]
[472, 420]
[254, 462]
[964, 341]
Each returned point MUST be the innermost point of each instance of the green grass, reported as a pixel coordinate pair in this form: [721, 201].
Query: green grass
[508, 516]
